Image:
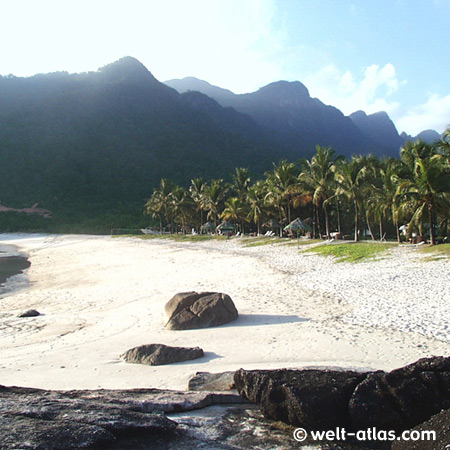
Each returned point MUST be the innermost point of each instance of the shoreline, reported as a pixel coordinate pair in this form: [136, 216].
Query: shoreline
[12, 266]
[100, 296]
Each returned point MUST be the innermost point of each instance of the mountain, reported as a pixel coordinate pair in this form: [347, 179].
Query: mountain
[194, 84]
[428, 136]
[91, 141]
[380, 128]
[294, 118]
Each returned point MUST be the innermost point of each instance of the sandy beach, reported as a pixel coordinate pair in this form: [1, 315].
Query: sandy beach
[100, 296]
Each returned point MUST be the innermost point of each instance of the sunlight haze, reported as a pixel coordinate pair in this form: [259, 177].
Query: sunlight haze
[354, 55]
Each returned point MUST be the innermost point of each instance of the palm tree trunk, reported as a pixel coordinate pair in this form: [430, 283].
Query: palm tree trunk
[327, 222]
[338, 215]
[318, 221]
[369, 226]
[431, 218]
[399, 239]
[356, 221]
[381, 229]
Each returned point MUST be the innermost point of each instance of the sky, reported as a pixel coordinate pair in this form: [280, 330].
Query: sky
[370, 55]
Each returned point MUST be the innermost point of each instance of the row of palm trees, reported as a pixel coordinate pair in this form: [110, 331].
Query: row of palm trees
[333, 192]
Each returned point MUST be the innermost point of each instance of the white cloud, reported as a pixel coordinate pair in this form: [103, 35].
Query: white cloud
[434, 114]
[227, 42]
[341, 89]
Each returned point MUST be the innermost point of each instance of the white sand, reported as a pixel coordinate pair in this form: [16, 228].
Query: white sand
[100, 296]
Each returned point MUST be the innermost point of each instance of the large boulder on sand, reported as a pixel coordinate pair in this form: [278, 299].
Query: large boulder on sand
[325, 399]
[160, 354]
[192, 310]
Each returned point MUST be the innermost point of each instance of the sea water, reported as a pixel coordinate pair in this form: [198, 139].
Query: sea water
[11, 265]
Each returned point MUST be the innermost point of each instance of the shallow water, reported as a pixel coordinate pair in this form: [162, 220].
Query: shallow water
[11, 264]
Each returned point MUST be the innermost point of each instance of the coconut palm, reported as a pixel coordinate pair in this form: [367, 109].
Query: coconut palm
[181, 206]
[426, 191]
[350, 179]
[197, 191]
[381, 194]
[234, 211]
[241, 182]
[281, 182]
[213, 199]
[318, 179]
[256, 203]
[158, 205]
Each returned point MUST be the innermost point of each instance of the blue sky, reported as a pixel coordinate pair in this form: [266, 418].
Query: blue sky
[389, 55]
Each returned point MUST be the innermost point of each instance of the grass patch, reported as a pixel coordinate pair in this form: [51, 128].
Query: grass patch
[351, 252]
[300, 242]
[259, 241]
[436, 252]
[176, 237]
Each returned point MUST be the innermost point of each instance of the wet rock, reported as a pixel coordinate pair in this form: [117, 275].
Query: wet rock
[193, 310]
[160, 354]
[206, 381]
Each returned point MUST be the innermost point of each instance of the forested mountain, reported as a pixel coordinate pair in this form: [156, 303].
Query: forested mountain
[300, 121]
[92, 143]
[94, 140]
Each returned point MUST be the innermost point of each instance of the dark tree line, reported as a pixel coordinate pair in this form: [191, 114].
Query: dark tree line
[335, 194]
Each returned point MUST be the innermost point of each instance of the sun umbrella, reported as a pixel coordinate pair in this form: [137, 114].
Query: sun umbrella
[297, 225]
[225, 226]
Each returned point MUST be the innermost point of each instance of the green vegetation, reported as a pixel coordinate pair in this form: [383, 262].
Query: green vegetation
[436, 252]
[175, 237]
[351, 252]
[364, 197]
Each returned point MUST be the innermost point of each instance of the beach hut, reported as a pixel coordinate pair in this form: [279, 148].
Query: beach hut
[226, 228]
[208, 227]
[297, 226]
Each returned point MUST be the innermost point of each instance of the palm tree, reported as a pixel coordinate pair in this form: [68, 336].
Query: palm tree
[197, 191]
[181, 205]
[281, 182]
[214, 196]
[318, 179]
[255, 201]
[234, 211]
[381, 194]
[241, 182]
[426, 191]
[350, 178]
[158, 204]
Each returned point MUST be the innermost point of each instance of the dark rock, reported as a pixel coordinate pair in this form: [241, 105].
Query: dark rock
[325, 399]
[30, 313]
[192, 310]
[391, 400]
[439, 424]
[113, 419]
[159, 354]
[206, 381]
[315, 399]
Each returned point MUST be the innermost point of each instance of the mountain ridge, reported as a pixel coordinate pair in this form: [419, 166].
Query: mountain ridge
[377, 127]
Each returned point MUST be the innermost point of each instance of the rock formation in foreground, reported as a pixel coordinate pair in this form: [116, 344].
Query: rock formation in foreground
[325, 399]
[192, 310]
[134, 419]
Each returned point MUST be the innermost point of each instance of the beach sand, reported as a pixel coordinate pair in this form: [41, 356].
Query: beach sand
[100, 296]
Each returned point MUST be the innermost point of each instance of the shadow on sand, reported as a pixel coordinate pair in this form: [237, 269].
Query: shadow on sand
[247, 320]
